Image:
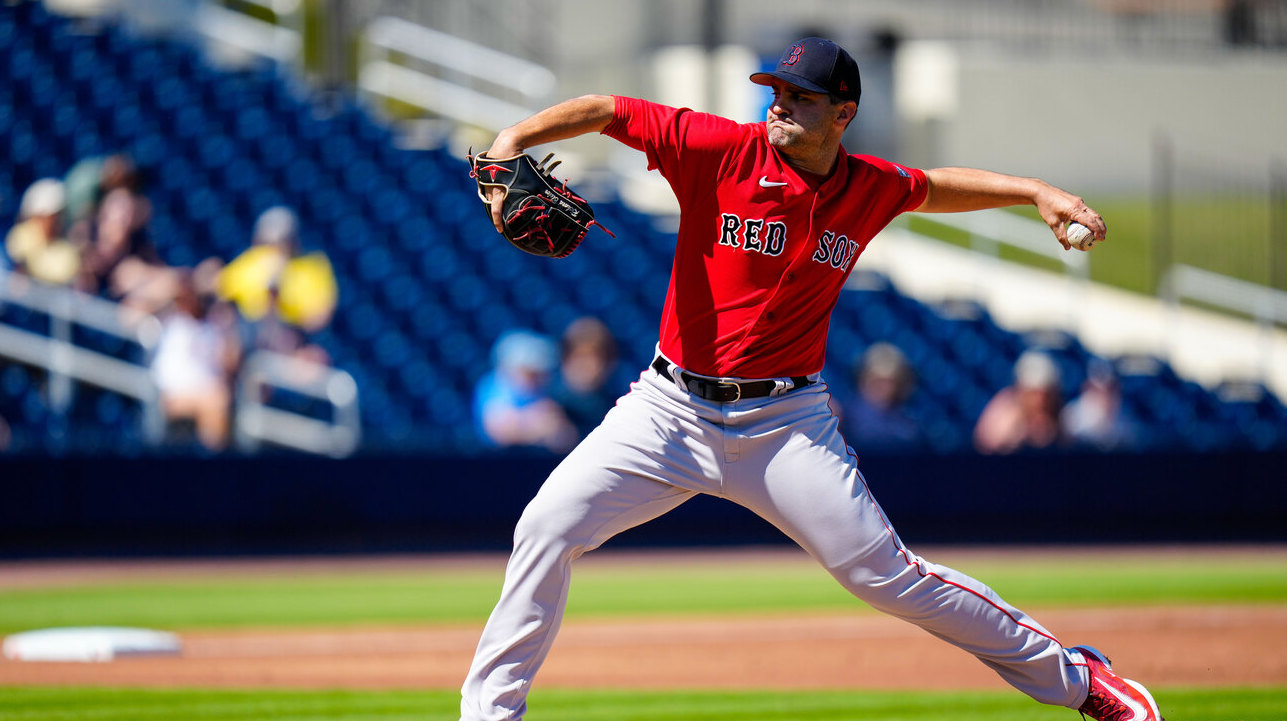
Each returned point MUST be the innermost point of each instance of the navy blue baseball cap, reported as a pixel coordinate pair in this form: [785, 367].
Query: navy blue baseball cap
[817, 65]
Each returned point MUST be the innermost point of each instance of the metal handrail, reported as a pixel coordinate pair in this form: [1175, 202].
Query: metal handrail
[460, 65]
[81, 308]
[257, 421]
[990, 229]
[67, 362]
[1268, 306]
[83, 365]
[281, 43]
[1185, 282]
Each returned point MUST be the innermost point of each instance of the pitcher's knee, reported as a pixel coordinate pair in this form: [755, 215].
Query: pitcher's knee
[549, 530]
[891, 590]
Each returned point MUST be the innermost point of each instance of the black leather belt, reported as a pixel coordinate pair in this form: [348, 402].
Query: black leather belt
[725, 391]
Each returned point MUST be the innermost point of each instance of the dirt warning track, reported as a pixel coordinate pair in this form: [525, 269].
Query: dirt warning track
[1189, 645]
[1197, 646]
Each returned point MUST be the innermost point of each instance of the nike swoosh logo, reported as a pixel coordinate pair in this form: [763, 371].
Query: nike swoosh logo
[766, 183]
[1137, 709]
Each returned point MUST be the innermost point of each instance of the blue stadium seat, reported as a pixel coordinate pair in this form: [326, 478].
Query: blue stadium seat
[8, 31]
[425, 287]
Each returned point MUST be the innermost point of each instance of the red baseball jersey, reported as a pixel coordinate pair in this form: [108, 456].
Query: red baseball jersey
[763, 251]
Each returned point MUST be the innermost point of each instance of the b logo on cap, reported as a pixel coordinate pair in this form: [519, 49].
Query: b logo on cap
[794, 57]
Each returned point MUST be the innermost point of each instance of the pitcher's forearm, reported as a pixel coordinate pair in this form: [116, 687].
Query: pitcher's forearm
[954, 190]
[568, 119]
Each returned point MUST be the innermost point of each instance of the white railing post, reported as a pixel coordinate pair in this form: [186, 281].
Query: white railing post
[258, 422]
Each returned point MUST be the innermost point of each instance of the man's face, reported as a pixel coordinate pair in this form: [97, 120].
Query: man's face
[801, 120]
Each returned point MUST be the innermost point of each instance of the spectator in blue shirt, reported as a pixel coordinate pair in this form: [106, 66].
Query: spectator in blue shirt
[514, 405]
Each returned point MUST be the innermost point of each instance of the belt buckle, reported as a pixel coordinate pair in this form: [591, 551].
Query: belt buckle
[726, 384]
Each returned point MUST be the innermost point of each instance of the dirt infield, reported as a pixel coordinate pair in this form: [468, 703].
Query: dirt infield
[1190, 646]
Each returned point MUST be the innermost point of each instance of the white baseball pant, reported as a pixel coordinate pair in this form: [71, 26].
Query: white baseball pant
[781, 457]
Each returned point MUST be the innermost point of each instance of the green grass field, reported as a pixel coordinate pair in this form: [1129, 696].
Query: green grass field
[76, 704]
[433, 595]
[457, 593]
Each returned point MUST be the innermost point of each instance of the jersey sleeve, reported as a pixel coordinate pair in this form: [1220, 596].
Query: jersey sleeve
[672, 138]
[907, 183]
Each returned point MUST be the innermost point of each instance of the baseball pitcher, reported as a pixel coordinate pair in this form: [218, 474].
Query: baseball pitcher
[773, 217]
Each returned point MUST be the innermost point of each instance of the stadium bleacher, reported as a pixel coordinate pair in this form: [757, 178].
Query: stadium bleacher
[425, 291]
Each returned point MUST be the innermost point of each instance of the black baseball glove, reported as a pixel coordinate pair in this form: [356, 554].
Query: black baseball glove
[540, 215]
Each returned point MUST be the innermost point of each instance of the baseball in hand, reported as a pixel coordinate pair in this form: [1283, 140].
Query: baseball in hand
[1080, 237]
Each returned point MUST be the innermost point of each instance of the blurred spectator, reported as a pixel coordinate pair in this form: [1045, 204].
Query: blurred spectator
[1095, 417]
[90, 181]
[84, 189]
[195, 359]
[5, 435]
[875, 416]
[1024, 415]
[513, 403]
[589, 357]
[282, 293]
[273, 274]
[109, 217]
[36, 245]
[120, 261]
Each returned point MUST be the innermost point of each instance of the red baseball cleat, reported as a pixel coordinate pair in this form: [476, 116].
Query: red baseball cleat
[1111, 697]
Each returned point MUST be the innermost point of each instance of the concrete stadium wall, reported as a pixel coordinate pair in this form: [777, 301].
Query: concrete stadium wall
[191, 506]
[1089, 123]
[1092, 123]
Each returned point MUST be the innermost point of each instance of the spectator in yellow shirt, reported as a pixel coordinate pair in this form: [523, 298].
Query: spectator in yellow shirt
[273, 277]
[36, 245]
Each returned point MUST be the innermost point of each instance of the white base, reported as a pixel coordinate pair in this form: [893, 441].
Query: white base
[88, 644]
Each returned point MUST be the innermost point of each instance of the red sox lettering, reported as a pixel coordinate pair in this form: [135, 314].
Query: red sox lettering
[837, 250]
[767, 237]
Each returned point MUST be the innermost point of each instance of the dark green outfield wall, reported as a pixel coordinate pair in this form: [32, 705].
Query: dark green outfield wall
[101, 506]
